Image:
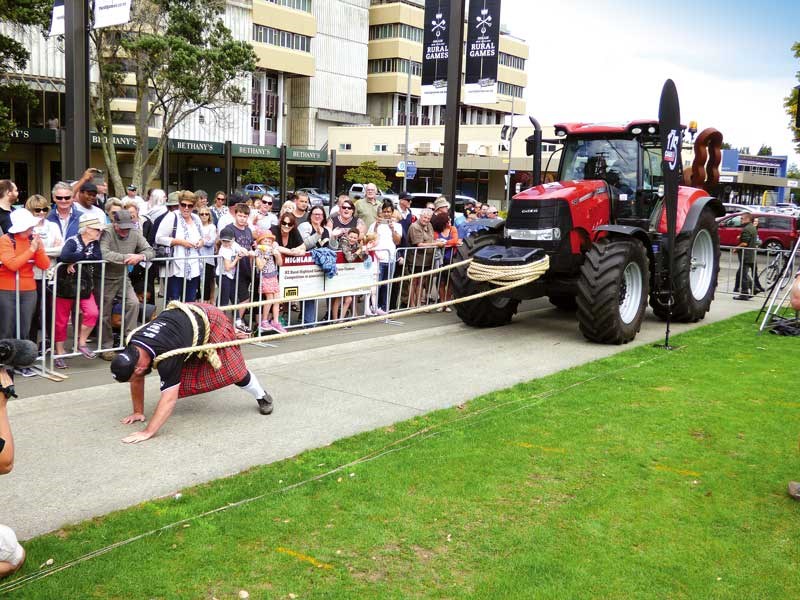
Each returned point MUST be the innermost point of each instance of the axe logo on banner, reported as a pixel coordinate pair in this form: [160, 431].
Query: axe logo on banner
[671, 151]
[483, 38]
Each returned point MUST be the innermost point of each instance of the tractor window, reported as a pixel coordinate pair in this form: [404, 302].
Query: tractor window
[614, 161]
[652, 176]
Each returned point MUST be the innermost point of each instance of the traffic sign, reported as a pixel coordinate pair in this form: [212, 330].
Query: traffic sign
[401, 166]
[411, 169]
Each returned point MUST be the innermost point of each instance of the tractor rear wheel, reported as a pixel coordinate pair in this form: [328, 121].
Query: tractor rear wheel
[490, 311]
[612, 291]
[696, 271]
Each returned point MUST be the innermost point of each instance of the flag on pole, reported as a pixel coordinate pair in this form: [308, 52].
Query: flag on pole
[57, 23]
[483, 38]
[111, 12]
[435, 52]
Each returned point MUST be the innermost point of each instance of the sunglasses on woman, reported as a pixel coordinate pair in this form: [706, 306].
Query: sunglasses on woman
[286, 224]
[187, 205]
[39, 210]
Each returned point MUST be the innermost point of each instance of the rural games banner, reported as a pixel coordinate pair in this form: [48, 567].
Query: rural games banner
[434, 52]
[483, 36]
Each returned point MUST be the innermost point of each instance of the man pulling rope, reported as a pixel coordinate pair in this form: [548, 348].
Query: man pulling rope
[182, 325]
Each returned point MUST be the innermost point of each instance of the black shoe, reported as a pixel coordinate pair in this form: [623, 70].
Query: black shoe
[741, 297]
[265, 404]
[760, 290]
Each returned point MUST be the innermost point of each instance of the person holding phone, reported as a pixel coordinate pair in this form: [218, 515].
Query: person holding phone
[12, 555]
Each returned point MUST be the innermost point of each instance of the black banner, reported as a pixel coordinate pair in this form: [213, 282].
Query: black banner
[483, 39]
[669, 124]
[435, 53]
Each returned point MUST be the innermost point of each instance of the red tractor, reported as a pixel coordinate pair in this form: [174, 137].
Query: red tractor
[604, 229]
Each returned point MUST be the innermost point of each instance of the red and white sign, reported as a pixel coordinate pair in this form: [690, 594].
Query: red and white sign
[300, 276]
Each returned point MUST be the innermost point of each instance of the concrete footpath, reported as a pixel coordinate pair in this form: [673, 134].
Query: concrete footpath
[72, 466]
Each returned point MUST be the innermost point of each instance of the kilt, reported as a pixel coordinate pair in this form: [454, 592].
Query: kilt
[199, 377]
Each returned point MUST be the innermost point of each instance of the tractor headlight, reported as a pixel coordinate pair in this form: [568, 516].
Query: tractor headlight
[535, 235]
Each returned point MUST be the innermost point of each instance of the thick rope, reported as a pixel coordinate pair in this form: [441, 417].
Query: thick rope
[531, 276]
[501, 275]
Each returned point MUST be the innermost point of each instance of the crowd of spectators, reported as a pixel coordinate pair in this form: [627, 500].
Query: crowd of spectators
[118, 256]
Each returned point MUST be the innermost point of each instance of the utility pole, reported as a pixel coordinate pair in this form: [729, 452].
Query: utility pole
[452, 120]
[510, 142]
[76, 47]
[408, 122]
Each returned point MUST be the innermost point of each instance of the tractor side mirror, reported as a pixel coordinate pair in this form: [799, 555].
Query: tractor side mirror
[530, 145]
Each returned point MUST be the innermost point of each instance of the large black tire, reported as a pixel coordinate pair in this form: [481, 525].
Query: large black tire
[696, 272]
[612, 291]
[490, 311]
[565, 302]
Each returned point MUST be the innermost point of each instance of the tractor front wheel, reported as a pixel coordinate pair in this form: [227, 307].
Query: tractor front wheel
[612, 291]
[489, 311]
[696, 270]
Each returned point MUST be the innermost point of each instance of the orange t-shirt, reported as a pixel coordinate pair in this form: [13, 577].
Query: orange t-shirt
[18, 260]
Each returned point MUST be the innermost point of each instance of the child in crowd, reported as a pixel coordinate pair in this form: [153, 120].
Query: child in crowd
[268, 259]
[352, 250]
[230, 253]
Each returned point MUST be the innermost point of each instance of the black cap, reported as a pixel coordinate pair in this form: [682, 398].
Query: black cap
[132, 188]
[403, 195]
[88, 187]
[124, 363]
[227, 234]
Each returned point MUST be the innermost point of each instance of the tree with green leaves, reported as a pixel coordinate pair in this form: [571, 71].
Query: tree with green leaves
[790, 102]
[367, 172]
[267, 172]
[181, 58]
[14, 57]
[765, 150]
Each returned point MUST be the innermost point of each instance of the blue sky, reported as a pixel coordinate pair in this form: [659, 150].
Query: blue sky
[605, 60]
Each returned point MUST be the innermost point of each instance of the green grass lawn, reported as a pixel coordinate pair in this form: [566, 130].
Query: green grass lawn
[650, 474]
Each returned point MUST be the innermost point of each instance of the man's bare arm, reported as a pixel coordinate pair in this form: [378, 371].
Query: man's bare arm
[7, 452]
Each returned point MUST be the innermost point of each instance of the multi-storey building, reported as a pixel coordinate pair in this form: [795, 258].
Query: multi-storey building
[395, 48]
[321, 64]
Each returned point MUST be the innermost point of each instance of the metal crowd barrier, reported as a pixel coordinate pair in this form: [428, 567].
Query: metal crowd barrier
[764, 270]
[390, 298]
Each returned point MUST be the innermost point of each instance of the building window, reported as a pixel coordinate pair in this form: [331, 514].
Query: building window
[395, 30]
[283, 39]
[508, 89]
[304, 5]
[380, 147]
[345, 146]
[394, 65]
[509, 60]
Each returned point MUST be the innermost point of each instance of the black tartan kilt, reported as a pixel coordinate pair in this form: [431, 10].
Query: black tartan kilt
[199, 377]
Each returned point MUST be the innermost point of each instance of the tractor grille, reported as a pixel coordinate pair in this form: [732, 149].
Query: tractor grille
[530, 223]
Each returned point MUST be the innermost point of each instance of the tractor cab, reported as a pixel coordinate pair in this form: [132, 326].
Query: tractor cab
[627, 158]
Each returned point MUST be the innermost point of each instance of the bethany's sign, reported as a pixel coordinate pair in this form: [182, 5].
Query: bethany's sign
[299, 154]
[195, 147]
[34, 136]
[245, 150]
[120, 141]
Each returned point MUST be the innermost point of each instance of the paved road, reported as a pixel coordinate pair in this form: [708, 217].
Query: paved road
[72, 466]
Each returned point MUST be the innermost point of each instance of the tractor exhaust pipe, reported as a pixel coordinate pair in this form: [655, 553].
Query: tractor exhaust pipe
[533, 147]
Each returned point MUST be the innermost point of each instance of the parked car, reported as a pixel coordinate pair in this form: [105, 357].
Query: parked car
[731, 207]
[315, 197]
[776, 231]
[256, 190]
[420, 199]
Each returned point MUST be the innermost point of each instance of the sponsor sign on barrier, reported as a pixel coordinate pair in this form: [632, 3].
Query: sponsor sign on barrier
[300, 276]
